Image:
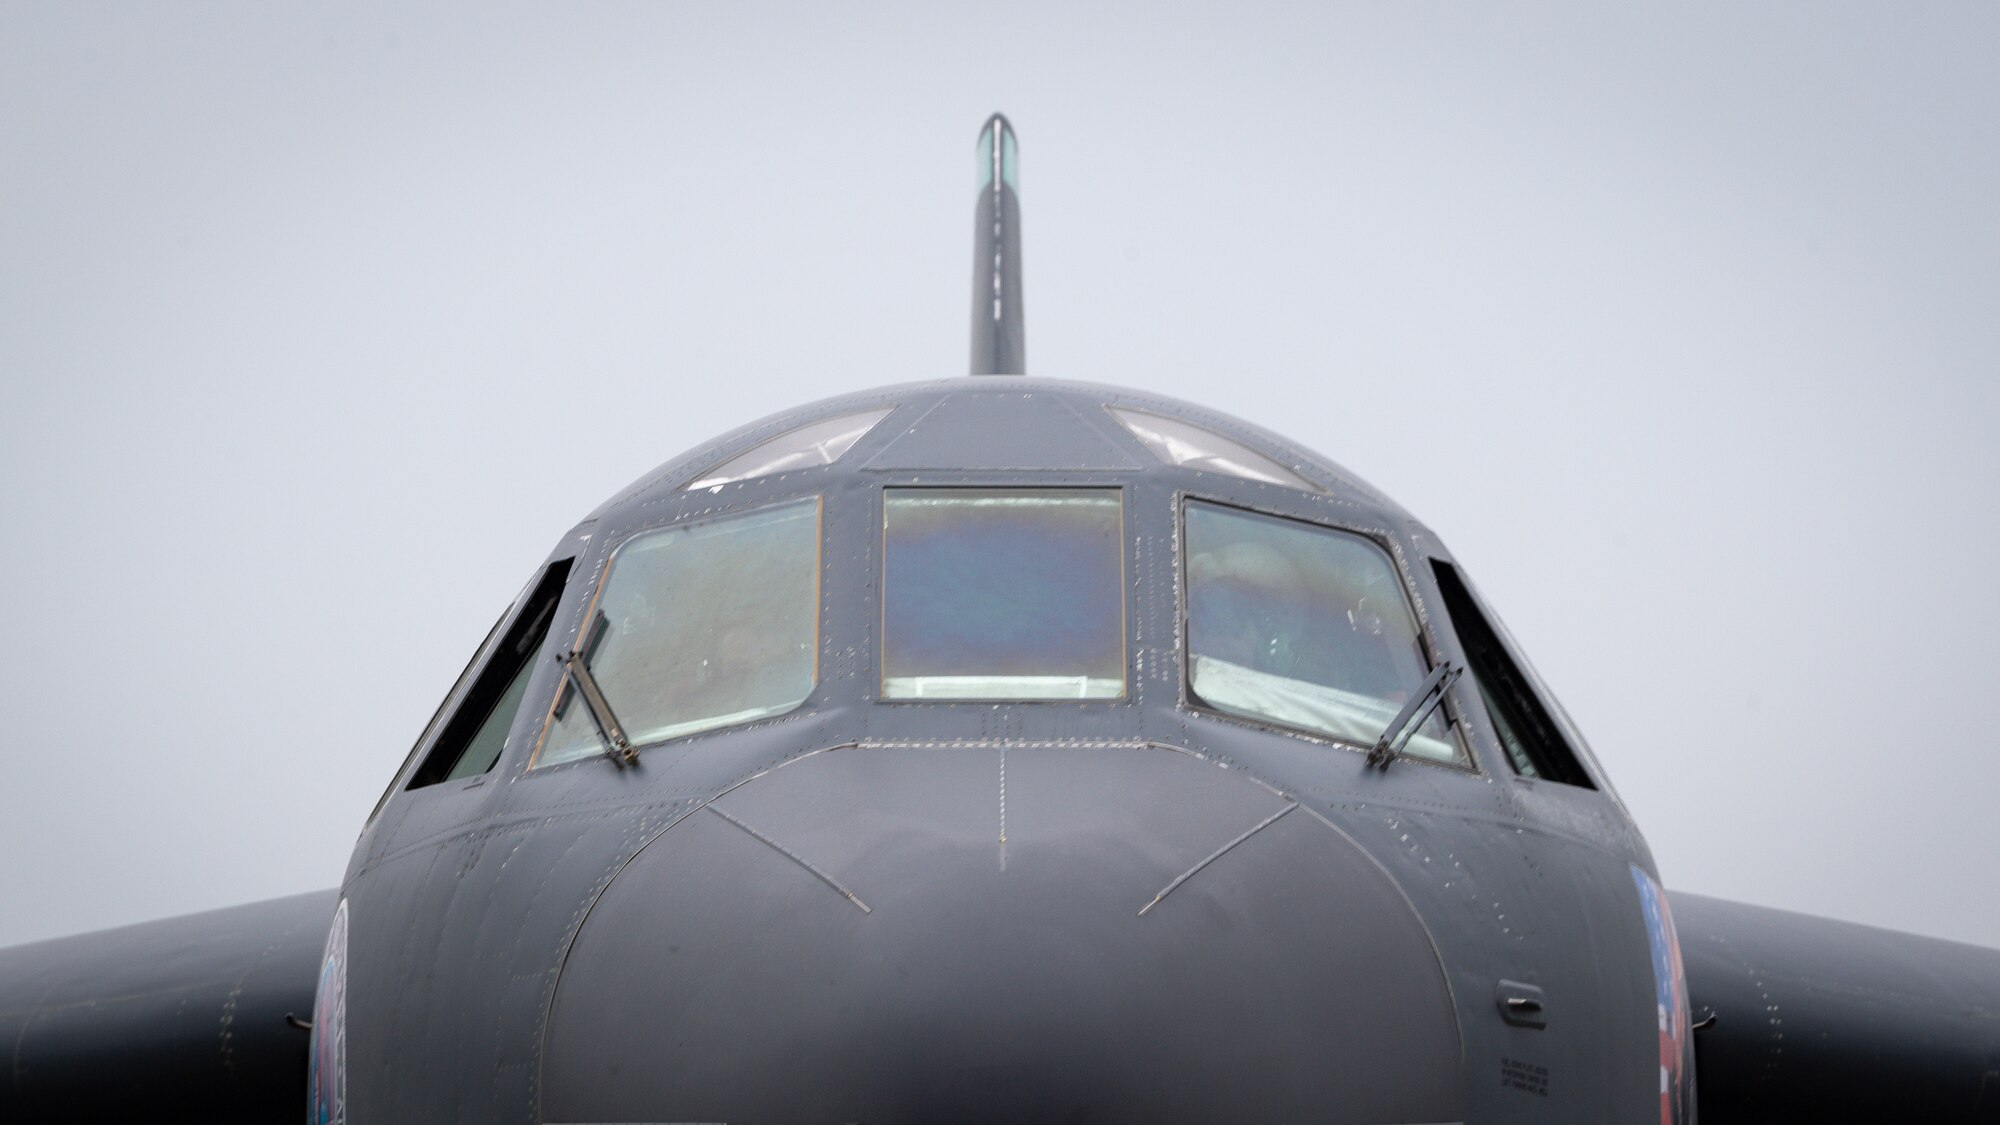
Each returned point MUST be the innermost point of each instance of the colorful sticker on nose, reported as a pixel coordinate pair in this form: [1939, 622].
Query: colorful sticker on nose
[1670, 994]
[329, 1029]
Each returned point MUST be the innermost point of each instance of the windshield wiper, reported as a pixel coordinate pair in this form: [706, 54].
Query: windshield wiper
[616, 746]
[1401, 728]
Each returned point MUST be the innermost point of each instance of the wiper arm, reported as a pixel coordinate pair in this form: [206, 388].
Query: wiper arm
[616, 746]
[1401, 728]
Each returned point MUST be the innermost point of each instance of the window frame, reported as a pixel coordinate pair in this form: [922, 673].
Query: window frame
[603, 579]
[1427, 641]
[1119, 487]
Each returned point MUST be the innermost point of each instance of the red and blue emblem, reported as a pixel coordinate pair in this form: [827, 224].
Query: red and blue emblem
[328, 1053]
[1671, 999]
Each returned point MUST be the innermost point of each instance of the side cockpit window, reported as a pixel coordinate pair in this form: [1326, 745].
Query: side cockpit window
[470, 742]
[1002, 594]
[1531, 736]
[696, 626]
[1302, 626]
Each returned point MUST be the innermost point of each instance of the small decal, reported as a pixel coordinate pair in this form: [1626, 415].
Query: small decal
[1526, 1077]
[329, 1029]
[1671, 1002]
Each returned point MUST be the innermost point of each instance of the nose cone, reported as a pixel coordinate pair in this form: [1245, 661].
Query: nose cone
[923, 934]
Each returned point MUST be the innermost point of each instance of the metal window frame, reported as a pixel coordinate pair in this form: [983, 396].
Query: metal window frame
[704, 516]
[1431, 651]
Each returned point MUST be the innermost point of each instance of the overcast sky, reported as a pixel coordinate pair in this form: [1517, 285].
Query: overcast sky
[317, 328]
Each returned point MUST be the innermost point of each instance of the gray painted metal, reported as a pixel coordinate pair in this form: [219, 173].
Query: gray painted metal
[999, 333]
[1000, 981]
[1033, 433]
[180, 1019]
[1817, 1020]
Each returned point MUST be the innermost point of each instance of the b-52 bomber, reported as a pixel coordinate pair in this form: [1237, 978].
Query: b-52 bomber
[1000, 749]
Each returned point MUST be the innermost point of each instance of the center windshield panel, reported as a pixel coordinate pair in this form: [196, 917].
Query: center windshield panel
[704, 625]
[1302, 626]
[1002, 594]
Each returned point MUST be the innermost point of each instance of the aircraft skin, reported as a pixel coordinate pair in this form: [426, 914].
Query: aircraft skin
[1137, 905]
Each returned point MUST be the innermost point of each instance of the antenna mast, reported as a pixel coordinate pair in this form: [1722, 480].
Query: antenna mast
[999, 338]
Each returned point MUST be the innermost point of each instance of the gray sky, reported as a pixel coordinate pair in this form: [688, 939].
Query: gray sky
[318, 328]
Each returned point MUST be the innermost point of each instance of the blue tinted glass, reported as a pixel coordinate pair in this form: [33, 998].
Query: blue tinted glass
[1002, 594]
[1303, 626]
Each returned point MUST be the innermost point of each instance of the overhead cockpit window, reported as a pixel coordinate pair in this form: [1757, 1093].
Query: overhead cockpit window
[1192, 447]
[697, 626]
[808, 447]
[1302, 626]
[1002, 594]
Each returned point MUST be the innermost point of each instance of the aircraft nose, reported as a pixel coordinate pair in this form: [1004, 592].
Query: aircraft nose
[923, 934]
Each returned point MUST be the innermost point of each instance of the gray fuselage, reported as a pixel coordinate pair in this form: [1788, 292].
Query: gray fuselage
[911, 910]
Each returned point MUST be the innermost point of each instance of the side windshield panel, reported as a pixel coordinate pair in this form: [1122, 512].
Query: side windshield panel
[1524, 728]
[1303, 626]
[471, 741]
[1003, 594]
[699, 626]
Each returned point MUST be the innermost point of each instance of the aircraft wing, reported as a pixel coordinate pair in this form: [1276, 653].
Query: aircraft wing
[1817, 1020]
[180, 1019]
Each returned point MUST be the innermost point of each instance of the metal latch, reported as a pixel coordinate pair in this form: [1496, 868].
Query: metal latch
[1523, 1005]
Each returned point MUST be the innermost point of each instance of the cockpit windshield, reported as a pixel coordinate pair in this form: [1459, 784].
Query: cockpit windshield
[1005, 594]
[1302, 626]
[704, 625]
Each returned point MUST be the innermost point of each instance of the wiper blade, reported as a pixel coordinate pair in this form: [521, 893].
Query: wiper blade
[616, 746]
[1401, 728]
